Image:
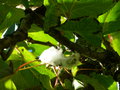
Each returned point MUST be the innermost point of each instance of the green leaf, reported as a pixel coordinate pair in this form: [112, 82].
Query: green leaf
[40, 36]
[36, 2]
[45, 80]
[111, 20]
[25, 3]
[52, 16]
[104, 80]
[7, 84]
[12, 17]
[11, 3]
[78, 8]
[4, 9]
[34, 77]
[88, 28]
[68, 84]
[10, 30]
[28, 56]
[91, 81]
[5, 70]
[27, 79]
[116, 42]
[34, 28]
[113, 86]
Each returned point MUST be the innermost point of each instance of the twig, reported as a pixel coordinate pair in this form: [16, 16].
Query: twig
[19, 68]
[39, 42]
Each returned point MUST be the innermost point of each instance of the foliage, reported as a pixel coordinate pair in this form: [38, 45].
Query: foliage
[88, 27]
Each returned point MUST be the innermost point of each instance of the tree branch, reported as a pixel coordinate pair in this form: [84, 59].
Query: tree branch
[39, 42]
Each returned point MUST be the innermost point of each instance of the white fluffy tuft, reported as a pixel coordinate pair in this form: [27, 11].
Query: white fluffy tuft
[54, 56]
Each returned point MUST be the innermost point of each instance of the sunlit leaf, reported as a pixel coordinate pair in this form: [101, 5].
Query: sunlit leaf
[28, 56]
[116, 41]
[111, 20]
[114, 86]
[40, 36]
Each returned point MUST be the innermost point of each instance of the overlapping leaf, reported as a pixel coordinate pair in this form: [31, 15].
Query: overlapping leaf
[111, 20]
[11, 3]
[40, 36]
[3, 13]
[78, 8]
[89, 28]
[5, 70]
[91, 81]
[36, 2]
[52, 17]
[13, 16]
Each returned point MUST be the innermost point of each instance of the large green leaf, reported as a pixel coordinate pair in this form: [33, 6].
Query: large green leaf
[89, 28]
[30, 78]
[91, 81]
[111, 20]
[52, 16]
[104, 80]
[41, 73]
[5, 70]
[4, 9]
[78, 8]
[12, 17]
[11, 3]
[27, 79]
[28, 56]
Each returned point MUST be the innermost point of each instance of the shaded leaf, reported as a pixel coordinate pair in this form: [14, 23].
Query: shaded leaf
[104, 80]
[45, 80]
[10, 30]
[68, 84]
[4, 9]
[88, 28]
[78, 8]
[52, 16]
[11, 3]
[5, 70]
[36, 2]
[27, 79]
[91, 81]
[25, 3]
[12, 17]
